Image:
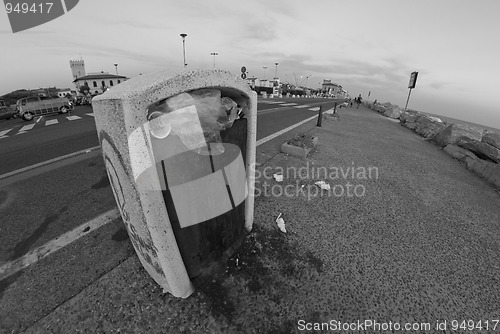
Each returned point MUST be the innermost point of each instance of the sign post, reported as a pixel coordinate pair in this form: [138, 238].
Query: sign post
[411, 85]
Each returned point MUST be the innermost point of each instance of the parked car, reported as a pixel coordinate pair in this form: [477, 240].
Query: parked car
[29, 107]
[6, 112]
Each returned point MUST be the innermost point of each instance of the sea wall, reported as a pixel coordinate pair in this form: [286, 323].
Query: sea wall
[478, 150]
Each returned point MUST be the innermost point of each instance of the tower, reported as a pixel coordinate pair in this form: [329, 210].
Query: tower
[77, 68]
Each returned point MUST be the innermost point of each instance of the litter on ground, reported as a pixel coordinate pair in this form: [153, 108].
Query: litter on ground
[281, 223]
[323, 185]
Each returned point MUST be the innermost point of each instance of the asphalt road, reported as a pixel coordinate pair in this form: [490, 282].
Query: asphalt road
[48, 140]
[41, 205]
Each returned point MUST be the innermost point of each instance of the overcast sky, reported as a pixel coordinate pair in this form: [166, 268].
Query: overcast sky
[365, 46]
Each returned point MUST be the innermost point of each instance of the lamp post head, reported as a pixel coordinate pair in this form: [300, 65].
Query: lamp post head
[183, 36]
[115, 64]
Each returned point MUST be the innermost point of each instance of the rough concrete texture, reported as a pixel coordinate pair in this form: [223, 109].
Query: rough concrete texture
[452, 132]
[297, 151]
[121, 115]
[422, 244]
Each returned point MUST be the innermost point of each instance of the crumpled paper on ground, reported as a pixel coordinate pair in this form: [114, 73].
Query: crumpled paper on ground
[281, 223]
[323, 185]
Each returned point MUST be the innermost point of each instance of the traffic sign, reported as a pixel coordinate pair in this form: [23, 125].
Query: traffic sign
[243, 69]
[243, 75]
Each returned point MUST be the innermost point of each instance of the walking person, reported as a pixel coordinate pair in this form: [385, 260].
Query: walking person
[358, 100]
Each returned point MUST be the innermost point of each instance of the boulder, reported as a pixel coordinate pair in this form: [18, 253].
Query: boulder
[480, 149]
[393, 113]
[491, 173]
[410, 125]
[492, 138]
[404, 117]
[379, 108]
[452, 132]
[429, 130]
[436, 119]
[458, 152]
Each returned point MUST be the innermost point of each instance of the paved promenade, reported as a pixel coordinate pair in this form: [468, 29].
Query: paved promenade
[413, 238]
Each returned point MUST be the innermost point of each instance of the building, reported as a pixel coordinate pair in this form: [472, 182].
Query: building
[97, 82]
[65, 91]
[77, 68]
[332, 89]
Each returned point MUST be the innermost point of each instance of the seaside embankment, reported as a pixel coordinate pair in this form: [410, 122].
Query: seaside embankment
[474, 146]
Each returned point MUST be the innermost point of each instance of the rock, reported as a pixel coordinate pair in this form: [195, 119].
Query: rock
[404, 117]
[429, 130]
[393, 113]
[410, 125]
[491, 173]
[492, 138]
[452, 132]
[488, 170]
[436, 119]
[458, 152]
[379, 108]
[480, 149]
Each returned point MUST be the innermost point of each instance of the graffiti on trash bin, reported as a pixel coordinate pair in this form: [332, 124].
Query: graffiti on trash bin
[116, 171]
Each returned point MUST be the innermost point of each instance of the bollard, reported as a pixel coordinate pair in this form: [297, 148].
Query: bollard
[335, 108]
[183, 183]
[320, 116]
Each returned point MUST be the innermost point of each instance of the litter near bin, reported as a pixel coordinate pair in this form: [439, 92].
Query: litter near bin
[278, 177]
[281, 223]
[323, 185]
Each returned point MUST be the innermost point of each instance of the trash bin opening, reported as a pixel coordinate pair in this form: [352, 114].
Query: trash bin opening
[198, 116]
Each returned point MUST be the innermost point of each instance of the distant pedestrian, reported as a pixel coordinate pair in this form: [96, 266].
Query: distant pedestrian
[350, 101]
[375, 102]
[358, 101]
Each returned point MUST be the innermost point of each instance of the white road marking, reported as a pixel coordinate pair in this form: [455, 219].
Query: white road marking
[67, 238]
[47, 162]
[92, 114]
[73, 118]
[279, 133]
[4, 132]
[39, 118]
[52, 121]
[303, 106]
[314, 109]
[50, 247]
[4, 137]
[289, 104]
[27, 127]
[20, 132]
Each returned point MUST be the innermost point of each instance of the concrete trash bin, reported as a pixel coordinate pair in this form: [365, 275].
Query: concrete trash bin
[180, 155]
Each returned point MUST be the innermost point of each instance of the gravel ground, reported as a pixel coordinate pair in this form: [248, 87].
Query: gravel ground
[418, 240]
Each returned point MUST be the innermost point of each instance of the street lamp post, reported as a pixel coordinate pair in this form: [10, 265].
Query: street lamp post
[276, 71]
[116, 68]
[184, 47]
[214, 54]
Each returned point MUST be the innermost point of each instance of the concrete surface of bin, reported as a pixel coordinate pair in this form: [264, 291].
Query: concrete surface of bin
[121, 116]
